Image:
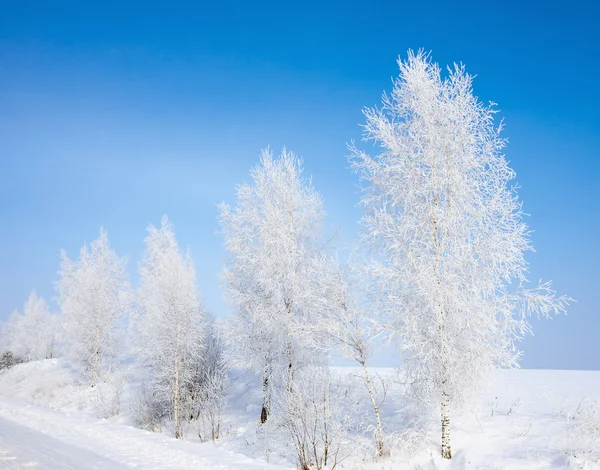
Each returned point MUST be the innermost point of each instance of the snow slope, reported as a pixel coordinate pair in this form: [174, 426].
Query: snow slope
[92, 443]
[21, 446]
[530, 419]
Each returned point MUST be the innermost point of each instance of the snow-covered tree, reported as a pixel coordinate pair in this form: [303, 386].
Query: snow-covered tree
[8, 359]
[5, 334]
[272, 236]
[170, 322]
[31, 335]
[11, 335]
[345, 324]
[94, 295]
[209, 384]
[448, 231]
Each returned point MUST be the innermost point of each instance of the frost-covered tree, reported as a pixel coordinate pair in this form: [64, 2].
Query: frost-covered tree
[209, 384]
[5, 334]
[94, 295]
[12, 336]
[272, 235]
[170, 322]
[447, 228]
[345, 324]
[31, 335]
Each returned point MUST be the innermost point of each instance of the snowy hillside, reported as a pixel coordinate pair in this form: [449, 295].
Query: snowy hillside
[48, 420]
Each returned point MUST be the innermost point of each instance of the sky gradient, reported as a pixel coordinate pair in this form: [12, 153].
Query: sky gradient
[113, 115]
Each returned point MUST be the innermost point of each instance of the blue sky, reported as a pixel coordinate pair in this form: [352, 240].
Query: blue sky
[114, 113]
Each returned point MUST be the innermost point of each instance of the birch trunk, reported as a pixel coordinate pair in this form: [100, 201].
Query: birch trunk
[379, 443]
[445, 405]
[446, 451]
[264, 413]
[176, 386]
[95, 365]
[176, 418]
[290, 372]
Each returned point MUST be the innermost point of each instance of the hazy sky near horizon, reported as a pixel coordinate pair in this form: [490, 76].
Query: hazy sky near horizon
[115, 113]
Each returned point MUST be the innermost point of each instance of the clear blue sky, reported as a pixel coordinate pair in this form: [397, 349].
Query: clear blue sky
[113, 113]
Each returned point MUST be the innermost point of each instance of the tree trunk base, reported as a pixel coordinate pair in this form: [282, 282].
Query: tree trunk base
[264, 414]
[446, 449]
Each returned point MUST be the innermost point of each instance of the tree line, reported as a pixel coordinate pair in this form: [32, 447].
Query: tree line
[440, 271]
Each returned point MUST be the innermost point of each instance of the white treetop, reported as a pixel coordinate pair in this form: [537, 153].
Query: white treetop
[31, 334]
[93, 296]
[170, 321]
[271, 236]
[448, 231]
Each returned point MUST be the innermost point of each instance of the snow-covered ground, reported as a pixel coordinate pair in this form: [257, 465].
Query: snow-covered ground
[41, 437]
[532, 419]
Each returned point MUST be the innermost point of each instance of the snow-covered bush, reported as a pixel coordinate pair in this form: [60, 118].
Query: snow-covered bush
[8, 359]
[582, 442]
[311, 413]
[109, 392]
[207, 393]
[146, 412]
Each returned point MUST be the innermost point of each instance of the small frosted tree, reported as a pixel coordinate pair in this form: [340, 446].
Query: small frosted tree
[31, 335]
[170, 322]
[93, 294]
[210, 383]
[447, 230]
[13, 340]
[345, 324]
[272, 236]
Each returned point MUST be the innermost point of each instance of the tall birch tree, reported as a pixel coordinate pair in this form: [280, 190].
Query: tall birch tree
[272, 237]
[448, 232]
[170, 322]
[94, 295]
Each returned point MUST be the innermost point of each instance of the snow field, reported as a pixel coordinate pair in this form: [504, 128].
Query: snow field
[528, 419]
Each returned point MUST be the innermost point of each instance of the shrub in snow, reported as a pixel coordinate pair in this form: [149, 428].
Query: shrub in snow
[207, 392]
[109, 392]
[146, 411]
[8, 359]
[582, 442]
[514, 406]
[312, 415]
[447, 236]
